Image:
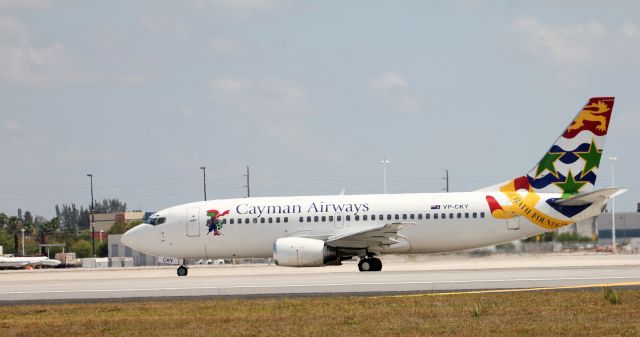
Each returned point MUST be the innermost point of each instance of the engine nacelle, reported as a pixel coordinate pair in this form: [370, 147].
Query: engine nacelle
[303, 252]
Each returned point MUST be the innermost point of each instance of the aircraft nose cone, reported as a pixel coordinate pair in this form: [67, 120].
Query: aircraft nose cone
[131, 238]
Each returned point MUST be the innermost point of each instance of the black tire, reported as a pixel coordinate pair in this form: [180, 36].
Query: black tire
[376, 264]
[183, 271]
[365, 265]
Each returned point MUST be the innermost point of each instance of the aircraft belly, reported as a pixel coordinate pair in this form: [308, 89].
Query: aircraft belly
[432, 238]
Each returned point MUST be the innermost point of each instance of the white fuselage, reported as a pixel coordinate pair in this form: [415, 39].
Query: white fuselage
[440, 222]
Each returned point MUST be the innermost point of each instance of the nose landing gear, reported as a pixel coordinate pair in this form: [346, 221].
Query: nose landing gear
[370, 263]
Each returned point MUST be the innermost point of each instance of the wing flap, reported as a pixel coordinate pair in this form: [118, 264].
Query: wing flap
[378, 236]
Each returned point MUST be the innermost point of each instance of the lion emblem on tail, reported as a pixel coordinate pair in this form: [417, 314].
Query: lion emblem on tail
[591, 115]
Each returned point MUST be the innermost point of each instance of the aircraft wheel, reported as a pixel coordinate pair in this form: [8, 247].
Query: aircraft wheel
[183, 270]
[365, 265]
[376, 264]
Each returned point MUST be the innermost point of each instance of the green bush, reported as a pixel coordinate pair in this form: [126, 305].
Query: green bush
[102, 249]
[572, 237]
[82, 248]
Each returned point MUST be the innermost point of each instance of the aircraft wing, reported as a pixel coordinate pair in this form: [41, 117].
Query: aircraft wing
[376, 236]
[591, 197]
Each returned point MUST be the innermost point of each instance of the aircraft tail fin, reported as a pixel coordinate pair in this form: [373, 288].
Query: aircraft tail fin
[571, 165]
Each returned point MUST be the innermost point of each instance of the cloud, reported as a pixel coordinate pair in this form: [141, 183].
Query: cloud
[630, 30]
[32, 65]
[395, 91]
[165, 25]
[279, 108]
[387, 81]
[9, 5]
[24, 63]
[218, 45]
[240, 7]
[560, 45]
[572, 50]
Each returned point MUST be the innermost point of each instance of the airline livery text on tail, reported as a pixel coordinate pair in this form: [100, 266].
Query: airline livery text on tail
[325, 230]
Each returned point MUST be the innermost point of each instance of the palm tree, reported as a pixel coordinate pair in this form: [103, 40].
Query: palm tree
[14, 226]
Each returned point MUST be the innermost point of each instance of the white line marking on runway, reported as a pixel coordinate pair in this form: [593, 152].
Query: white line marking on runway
[319, 285]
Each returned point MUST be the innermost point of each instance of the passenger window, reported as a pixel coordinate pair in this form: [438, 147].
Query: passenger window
[330, 218]
[420, 216]
[466, 215]
[435, 216]
[231, 221]
[301, 219]
[315, 218]
[246, 220]
[308, 219]
[324, 218]
[443, 216]
[255, 220]
[261, 220]
[347, 217]
[278, 220]
[475, 215]
[380, 217]
[339, 218]
[364, 217]
[459, 215]
[270, 220]
[411, 216]
[388, 216]
[427, 216]
[404, 217]
[357, 217]
[482, 214]
[397, 216]
[286, 219]
[450, 215]
[224, 221]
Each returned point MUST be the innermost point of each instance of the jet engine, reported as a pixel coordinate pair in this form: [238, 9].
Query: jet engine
[303, 252]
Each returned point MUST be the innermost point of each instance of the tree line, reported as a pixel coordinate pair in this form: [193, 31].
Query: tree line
[71, 224]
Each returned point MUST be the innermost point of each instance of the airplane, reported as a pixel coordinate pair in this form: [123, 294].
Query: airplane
[27, 262]
[309, 231]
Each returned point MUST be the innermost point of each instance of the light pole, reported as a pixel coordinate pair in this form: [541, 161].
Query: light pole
[204, 180]
[22, 230]
[93, 228]
[613, 207]
[384, 171]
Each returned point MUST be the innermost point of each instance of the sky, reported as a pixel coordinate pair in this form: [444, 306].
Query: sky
[311, 95]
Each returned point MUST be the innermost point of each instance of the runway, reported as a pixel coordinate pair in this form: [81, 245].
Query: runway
[400, 275]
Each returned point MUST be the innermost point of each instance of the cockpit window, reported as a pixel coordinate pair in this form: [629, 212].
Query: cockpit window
[156, 221]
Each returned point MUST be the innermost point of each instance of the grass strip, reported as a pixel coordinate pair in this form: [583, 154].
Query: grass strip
[541, 313]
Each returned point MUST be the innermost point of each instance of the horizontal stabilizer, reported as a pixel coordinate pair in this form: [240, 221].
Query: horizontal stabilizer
[591, 197]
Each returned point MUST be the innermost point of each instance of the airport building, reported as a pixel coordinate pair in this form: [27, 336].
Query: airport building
[118, 249]
[599, 227]
[104, 221]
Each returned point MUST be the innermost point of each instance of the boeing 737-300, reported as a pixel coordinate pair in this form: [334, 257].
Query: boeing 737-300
[315, 231]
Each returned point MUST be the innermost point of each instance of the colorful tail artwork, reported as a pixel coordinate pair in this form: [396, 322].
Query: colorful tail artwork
[568, 170]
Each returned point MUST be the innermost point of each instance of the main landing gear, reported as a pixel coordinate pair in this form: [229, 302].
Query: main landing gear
[370, 263]
[183, 270]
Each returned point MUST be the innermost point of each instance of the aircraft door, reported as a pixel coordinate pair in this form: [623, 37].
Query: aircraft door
[513, 223]
[338, 220]
[193, 221]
